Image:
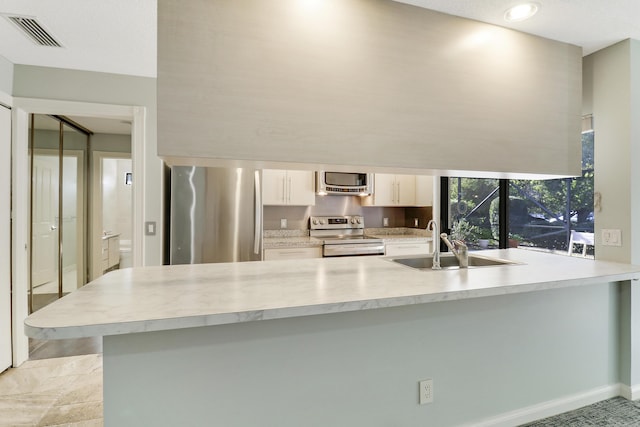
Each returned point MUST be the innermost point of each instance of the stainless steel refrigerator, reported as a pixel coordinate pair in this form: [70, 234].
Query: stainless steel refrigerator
[216, 215]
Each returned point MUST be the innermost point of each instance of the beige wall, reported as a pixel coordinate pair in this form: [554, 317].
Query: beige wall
[367, 83]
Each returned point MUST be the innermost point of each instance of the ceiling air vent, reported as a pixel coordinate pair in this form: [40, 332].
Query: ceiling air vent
[36, 32]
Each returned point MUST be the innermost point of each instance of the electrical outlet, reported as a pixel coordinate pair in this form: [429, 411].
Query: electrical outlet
[283, 222]
[426, 391]
[415, 222]
[385, 222]
[611, 237]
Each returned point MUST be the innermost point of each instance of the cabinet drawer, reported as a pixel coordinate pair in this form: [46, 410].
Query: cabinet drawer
[292, 253]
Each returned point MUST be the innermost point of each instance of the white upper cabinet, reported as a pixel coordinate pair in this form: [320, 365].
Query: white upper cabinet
[392, 190]
[274, 187]
[424, 190]
[288, 187]
[401, 190]
[405, 190]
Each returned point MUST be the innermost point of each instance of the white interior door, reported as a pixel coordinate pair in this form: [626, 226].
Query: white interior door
[45, 219]
[5, 238]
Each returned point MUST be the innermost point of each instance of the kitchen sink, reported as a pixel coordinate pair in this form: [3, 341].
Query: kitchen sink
[449, 262]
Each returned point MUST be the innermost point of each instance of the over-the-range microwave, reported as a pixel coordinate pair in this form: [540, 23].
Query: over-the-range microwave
[344, 183]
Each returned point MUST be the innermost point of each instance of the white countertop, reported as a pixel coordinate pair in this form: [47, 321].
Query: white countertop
[277, 239]
[183, 296]
[401, 238]
[291, 242]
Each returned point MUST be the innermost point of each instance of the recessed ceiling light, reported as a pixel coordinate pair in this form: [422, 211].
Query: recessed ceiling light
[521, 12]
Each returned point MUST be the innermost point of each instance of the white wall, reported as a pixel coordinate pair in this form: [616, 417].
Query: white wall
[611, 88]
[52, 90]
[116, 198]
[6, 76]
[5, 238]
[6, 85]
[486, 356]
[111, 142]
[607, 85]
[103, 88]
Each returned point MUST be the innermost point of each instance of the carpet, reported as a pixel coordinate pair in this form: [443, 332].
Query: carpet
[614, 412]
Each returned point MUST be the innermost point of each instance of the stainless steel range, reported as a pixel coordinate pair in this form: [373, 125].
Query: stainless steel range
[344, 236]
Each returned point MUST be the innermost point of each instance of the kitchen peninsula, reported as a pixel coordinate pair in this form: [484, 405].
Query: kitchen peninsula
[344, 341]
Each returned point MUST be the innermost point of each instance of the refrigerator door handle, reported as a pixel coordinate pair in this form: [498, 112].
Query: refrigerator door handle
[258, 213]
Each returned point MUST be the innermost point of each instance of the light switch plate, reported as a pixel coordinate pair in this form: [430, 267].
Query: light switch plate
[611, 237]
[283, 222]
[150, 228]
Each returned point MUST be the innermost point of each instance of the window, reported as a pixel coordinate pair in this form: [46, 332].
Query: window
[541, 213]
[470, 211]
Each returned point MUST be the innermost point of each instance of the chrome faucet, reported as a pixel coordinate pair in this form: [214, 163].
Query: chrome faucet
[433, 227]
[459, 249]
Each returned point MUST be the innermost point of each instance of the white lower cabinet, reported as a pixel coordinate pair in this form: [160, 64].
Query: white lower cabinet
[292, 253]
[401, 249]
[110, 252]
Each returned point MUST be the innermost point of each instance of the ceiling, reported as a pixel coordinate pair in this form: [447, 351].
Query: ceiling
[119, 36]
[591, 24]
[113, 36]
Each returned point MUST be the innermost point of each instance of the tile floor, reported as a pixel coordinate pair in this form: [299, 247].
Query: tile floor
[65, 391]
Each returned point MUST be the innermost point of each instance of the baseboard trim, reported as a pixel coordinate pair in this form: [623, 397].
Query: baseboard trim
[554, 407]
[630, 392]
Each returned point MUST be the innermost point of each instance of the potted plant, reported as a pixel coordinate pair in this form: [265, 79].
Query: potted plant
[464, 231]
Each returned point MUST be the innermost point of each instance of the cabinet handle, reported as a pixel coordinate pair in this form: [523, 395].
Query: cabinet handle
[398, 184]
[257, 226]
[393, 192]
[284, 190]
[289, 192]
